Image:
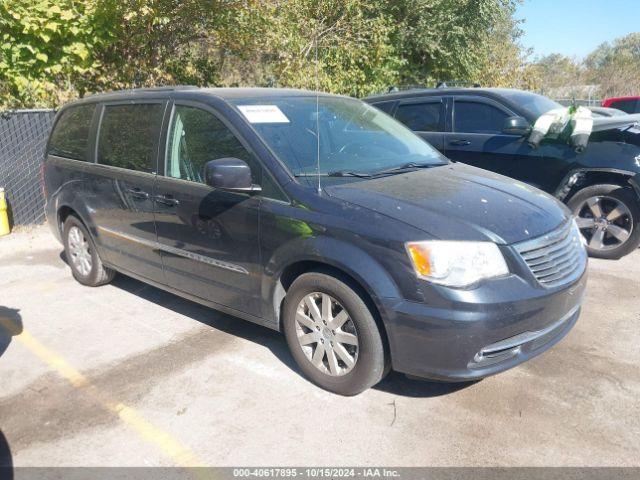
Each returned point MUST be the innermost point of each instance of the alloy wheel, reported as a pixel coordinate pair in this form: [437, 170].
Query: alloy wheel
[79, 251]
[605, 222]
[326, 333]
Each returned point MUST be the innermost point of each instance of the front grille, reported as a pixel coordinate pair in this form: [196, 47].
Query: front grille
[556, 258]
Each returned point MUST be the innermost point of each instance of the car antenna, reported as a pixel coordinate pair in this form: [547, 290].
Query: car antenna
[317, 108]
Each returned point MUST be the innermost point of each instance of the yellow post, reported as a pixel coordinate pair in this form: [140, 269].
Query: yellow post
[4, 216]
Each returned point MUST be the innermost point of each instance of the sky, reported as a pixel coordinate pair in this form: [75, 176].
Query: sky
[576, 27]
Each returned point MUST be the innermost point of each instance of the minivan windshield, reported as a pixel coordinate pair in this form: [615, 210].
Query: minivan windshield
[355, 138]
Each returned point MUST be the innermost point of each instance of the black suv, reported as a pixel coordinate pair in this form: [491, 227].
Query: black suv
[488, 128]
[319, 216]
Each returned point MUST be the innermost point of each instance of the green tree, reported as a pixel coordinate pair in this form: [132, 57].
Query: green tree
[53, 50]
[560, 75]
[156, 42]
[45, 51]
[616, 67]
[445, 39]
[354, 49]
[504, 61]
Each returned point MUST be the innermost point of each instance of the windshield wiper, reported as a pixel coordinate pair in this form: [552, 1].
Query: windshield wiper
[348, 173]
[390, 171]
[405, 168]
[337, 173]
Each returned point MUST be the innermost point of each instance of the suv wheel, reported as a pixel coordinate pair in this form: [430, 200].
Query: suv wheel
[607, 216]
[332, 334]
[86, 266]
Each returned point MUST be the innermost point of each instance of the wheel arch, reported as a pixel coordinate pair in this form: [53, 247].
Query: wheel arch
[65, 210]
[63, 213]
[594, 220]
[344, 260]
[67, 200]
[294, 270]
[580, 178]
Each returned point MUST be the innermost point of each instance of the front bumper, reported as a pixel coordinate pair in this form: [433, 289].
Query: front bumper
[479, 332]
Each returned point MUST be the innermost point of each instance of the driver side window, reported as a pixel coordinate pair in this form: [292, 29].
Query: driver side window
[477, 117]
[197, 136]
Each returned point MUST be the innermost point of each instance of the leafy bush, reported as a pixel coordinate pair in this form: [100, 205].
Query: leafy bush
[45, 51]
[53, 50]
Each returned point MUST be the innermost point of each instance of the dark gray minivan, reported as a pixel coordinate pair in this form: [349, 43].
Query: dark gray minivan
[319, 216]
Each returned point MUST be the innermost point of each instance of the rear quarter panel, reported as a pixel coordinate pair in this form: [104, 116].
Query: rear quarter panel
[64, 185]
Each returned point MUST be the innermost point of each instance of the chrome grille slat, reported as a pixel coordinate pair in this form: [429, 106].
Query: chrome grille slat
[550, 258]
[552, 241]
[556, 258]
[534, 254]
[558, 275]
[556, 267]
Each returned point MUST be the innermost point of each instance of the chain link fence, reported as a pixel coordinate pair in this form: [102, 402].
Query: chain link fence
[23, 135]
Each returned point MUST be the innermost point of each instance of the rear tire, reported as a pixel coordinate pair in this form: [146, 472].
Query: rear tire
[346, 354]
[82, 256]
[608, 217]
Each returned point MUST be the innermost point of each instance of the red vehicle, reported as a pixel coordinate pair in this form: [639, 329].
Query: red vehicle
[626, 104]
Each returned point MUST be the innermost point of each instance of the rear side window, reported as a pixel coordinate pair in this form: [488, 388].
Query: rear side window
[70, 136]
[629, 106]
[477, 117]
[129, 136]
[420, 117]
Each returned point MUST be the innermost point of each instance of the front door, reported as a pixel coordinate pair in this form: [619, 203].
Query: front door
[208, 237]
[477, 139]
[120, 187]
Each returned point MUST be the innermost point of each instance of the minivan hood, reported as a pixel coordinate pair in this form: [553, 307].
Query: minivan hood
[458, 202]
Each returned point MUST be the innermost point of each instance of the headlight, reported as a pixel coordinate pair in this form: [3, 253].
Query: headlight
[456, 264]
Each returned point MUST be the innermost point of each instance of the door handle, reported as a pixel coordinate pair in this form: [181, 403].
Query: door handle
[460, 143]
[137, 193]
[167, 199]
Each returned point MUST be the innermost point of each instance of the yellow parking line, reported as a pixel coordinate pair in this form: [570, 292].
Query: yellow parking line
[56, 362]
[180, 454]
[171, 447]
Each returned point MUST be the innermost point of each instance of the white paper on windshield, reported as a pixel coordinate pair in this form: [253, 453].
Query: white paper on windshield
[263, 114]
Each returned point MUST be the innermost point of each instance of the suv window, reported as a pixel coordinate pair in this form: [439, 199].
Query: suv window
[628, 106]
[386, 107]
[197, 136]
[128, 136]
[477, 117]
[420, 117]
[71, 134]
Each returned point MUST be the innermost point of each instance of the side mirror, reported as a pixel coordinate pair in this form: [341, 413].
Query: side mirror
[516, 126]
[230, 174]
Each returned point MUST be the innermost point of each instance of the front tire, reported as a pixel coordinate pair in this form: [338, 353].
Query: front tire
[608, 217]
[333, 335]
[82, 256]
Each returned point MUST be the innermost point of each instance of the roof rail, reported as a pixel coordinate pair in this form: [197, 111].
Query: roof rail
[167, 88]
[457, 84]
[402, 88]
